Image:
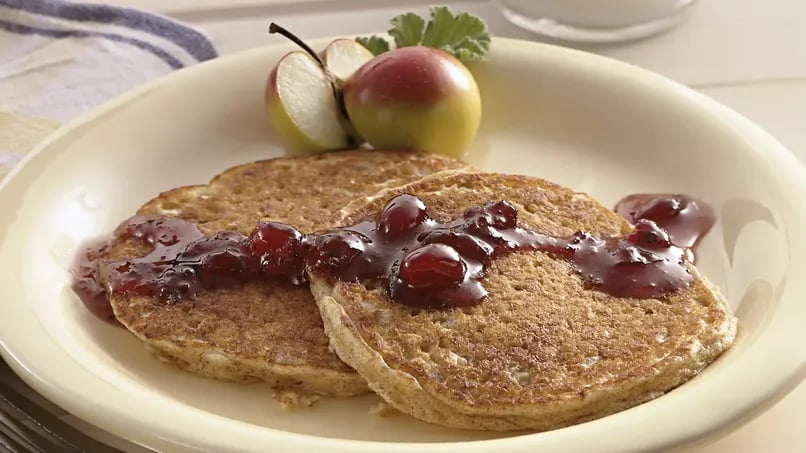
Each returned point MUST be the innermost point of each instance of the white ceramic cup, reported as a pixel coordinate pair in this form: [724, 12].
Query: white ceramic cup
[595, 20]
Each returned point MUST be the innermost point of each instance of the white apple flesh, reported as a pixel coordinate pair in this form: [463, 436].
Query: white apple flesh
[344, 56]
[301, 105]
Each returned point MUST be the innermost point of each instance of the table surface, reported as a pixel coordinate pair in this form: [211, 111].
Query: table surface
[747, 54]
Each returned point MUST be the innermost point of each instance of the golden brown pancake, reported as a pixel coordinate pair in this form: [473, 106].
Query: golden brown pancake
[541, 351]
[268, 330]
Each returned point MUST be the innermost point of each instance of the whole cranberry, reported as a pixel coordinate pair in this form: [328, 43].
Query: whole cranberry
[220, 269]
[278, 247]
[334, 249]
[433, 266]
[402, 214]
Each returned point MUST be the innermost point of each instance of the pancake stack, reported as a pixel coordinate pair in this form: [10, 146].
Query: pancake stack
[542, 351]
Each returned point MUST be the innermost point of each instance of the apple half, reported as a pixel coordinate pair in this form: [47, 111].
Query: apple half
[302, 106]
[344, 56]
[301, 100]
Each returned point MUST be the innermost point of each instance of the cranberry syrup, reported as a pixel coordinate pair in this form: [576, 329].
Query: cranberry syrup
[86, 282]
[417, 260]
[428, 264]
[685, 219]
[183, 262]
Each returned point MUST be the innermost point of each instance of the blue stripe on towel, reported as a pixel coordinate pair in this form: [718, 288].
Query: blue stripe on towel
[191, 40]
[169, 59]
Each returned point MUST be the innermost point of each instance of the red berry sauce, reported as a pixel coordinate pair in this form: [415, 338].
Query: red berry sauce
[685, 219]
[417, 260]
[182, 263]
[425, 263]
[86, 282]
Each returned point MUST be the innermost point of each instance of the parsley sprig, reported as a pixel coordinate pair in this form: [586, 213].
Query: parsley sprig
[463, 35]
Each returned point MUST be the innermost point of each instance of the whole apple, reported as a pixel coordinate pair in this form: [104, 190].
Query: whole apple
[414, 98]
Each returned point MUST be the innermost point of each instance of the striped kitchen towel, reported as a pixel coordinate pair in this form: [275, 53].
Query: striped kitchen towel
[59, 59]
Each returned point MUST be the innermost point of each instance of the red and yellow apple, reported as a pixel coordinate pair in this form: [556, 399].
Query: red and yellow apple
[414, 98]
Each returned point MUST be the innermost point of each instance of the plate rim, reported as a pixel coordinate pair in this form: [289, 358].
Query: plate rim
[171, 438]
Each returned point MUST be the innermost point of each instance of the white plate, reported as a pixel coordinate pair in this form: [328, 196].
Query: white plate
[591, 123]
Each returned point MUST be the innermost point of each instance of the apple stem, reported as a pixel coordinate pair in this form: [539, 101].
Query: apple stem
[335, 83]
[274, 28]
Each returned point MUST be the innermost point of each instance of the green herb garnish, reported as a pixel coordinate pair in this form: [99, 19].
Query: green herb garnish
[374, 44]
[463, 35]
